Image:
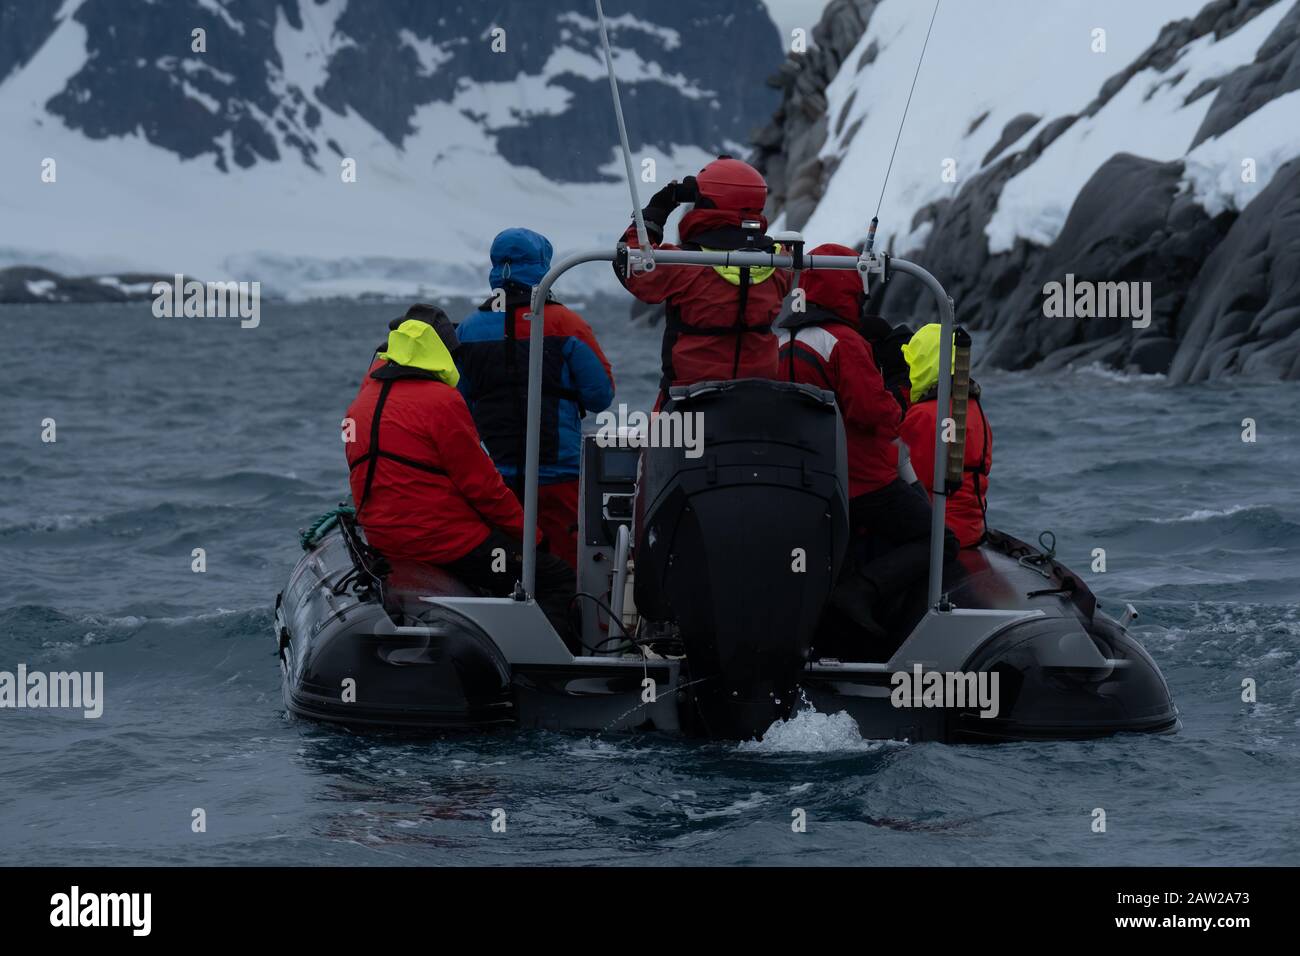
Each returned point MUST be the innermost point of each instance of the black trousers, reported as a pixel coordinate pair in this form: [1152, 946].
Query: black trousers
[896, 518]
[556, 583]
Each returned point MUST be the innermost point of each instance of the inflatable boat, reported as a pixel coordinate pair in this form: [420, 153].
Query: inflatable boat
[703, 586]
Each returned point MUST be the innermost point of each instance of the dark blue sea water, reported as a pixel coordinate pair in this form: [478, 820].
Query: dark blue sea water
[192, 433]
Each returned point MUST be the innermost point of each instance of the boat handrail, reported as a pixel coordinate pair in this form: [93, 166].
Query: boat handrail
[644, 260]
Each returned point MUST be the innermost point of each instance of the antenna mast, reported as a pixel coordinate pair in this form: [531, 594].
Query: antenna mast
[642, 236]
[875, 220]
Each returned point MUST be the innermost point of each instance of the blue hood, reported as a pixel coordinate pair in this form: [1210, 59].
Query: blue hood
[521, 256]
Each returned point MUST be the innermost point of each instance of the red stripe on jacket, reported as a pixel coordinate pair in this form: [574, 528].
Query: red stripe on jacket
[834, 356]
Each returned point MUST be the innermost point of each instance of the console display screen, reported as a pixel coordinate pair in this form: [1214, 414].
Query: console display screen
[619, 464]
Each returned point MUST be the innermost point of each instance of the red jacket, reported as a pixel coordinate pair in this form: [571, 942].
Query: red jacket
[442, 500]
[964, 513]
[698, 298]
[822, 347]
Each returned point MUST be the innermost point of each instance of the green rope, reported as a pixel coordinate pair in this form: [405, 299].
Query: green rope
[310, 537]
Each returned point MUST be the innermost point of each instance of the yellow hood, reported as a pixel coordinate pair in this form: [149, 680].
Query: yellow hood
[757, 274]
[922, 354]
[417, 344]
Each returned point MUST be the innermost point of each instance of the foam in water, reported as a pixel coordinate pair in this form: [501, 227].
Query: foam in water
[812, 732]
[48, 524]
[1098, 370]
[1205, 514]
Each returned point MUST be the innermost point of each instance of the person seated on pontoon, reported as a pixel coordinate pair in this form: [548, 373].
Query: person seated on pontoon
[965, 514]
[424, 488]
[719, 319]
[822, 346]
[576, 379]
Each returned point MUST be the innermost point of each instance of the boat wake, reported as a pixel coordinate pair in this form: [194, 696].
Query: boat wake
[809, 731]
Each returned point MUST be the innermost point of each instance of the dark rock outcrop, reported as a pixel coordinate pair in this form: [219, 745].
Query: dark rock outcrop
[1129, 224]
[1016, 128]
[787, 147]
[1275, 72]
[24, 28]
[25, 284]
[1225, 293]
[1242, 314]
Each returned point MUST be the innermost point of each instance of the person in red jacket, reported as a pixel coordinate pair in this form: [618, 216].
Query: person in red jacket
[424, 488]
[719, 319]
[966, 508]
[823, 346]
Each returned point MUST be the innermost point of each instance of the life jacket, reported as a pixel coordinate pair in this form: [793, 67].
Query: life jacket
[424, 487]
[388, 374]
[697, 299]
[494, 366]
[729, 237]
[515, 359]
[978, 470]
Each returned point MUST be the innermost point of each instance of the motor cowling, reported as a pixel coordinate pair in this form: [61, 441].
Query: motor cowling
[740, 545]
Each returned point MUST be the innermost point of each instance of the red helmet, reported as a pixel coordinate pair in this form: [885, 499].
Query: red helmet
[731, 184]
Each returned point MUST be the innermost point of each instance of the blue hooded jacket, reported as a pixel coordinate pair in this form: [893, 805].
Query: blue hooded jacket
[520, 256]
[493, 364]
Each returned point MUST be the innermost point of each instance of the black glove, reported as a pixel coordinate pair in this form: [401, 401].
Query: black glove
[665, 198]
[688, 190]
[661, 206]
[874, 328]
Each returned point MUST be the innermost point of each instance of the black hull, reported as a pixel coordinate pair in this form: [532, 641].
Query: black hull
[454, 678]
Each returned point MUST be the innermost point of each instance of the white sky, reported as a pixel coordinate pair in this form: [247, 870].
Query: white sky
[789, 14]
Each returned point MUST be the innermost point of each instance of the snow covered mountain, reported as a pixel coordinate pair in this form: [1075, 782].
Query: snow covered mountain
[1109, 140]
[225, 155]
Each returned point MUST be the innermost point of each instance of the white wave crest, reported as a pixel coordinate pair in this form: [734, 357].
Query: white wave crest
[812, 732]
[1205, 514]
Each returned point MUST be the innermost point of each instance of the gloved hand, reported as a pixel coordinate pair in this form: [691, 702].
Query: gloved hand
[661, 206]
[874, 328]
[665, 198]
[688, 190]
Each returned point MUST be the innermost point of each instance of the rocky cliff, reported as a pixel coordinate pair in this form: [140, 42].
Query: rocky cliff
[1207, 215]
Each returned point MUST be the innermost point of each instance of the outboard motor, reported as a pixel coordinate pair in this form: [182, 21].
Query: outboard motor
[739, 541]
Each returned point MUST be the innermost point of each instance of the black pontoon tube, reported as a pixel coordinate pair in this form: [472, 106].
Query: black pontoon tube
[646, 259]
